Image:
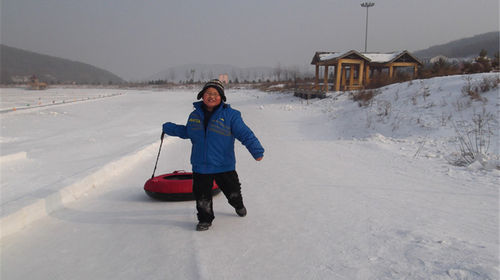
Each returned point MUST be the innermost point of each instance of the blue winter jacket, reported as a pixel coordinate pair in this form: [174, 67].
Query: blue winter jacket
[213, 148]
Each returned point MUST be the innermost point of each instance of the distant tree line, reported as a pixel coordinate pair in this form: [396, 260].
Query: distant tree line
[444, 67]
[246, 76]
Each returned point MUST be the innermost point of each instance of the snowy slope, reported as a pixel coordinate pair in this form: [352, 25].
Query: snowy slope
[421, 109]
[343, 192]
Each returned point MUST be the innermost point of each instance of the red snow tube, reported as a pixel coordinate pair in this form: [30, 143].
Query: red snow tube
[175, 186]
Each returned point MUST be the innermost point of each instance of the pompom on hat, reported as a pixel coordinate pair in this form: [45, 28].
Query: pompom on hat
[215, 83]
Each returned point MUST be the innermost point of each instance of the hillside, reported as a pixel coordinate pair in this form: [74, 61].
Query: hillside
[17, 65]
[466, 47]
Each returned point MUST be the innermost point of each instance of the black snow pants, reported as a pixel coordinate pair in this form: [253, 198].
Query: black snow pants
[229, 184]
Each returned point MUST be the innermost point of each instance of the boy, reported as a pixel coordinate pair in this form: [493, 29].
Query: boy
[212, 128]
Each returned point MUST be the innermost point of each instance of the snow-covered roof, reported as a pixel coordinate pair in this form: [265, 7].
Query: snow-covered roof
[324, 56]
[371, 57]
[328, 56]
[383, 57]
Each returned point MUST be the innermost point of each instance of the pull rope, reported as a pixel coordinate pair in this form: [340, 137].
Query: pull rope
[157, 157]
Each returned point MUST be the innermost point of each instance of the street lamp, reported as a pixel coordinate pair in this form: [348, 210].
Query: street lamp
[367, 5]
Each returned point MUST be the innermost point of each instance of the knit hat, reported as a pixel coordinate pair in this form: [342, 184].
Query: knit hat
[215, 83]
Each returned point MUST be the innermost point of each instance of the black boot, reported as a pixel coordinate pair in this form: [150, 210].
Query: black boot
[236, 201]
[201, 226]
[242, 212]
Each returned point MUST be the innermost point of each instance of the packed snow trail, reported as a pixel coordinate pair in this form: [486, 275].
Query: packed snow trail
[318, 208]
[67, 143]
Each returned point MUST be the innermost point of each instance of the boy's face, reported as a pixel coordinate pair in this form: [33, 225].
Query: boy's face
[211, 98]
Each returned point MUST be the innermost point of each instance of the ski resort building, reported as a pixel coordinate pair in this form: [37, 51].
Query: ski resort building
[352, 70]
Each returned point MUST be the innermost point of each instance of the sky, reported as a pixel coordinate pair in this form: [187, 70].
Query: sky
[136, 39]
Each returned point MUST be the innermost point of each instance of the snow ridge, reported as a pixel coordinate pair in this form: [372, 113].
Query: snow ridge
[17, 220]
[13, 157]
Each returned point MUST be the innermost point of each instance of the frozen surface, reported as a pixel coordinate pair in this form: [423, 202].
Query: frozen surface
[343, 192]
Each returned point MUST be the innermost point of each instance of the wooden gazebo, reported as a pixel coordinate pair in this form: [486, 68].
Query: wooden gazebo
[352, 69]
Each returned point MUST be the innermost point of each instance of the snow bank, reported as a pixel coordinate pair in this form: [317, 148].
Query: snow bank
[15, 99]
[423, 113]
[42, 207]
[13, 157]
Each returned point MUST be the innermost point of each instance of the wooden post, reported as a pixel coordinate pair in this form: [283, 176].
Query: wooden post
[343, 77]
[415, 71]
[334, 77]
[367, 75]
[391, 71]
[316, 81]
[351, 76]
[338, 73]
[326, 78]
[361, 70]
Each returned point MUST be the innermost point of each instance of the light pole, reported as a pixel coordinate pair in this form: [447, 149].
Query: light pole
[367, 5]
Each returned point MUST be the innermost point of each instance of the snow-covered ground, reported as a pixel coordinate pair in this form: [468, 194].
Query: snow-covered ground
[343, 192]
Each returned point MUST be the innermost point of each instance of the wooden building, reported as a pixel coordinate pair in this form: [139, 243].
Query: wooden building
[353, 70]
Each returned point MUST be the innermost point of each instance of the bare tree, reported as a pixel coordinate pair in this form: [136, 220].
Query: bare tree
[234, 76]
[286, 74]
[192, 75]
[278, 71]
[171, 75]
[295, 74]
[241, 76]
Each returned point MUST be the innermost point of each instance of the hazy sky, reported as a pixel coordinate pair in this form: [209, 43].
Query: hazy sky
[135, 39]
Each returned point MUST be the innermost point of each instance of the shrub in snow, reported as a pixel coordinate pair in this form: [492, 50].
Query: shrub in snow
[363, 97]
[383, 108]
[473, 140]
[474, 89]
[489, 83]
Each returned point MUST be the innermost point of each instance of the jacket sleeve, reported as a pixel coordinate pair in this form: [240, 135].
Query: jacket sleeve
[245, 135]
[173, 129]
